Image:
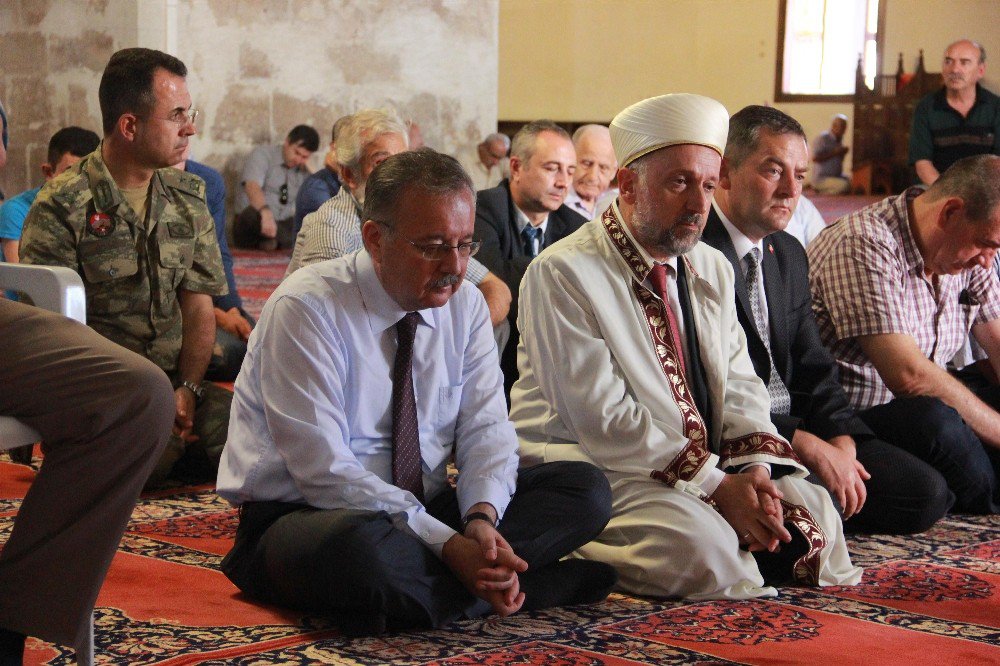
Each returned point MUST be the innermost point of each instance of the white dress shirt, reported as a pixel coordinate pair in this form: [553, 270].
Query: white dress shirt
[311, 420]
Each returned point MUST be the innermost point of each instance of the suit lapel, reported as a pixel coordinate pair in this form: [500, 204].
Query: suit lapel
[777, 308]
[718, 237]
[517, 247]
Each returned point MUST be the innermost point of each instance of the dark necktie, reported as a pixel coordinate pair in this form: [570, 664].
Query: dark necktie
[781, 402]
[658, 277]
[406, 468]
[529, 235]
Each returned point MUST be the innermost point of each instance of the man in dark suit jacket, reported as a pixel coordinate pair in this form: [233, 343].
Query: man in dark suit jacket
[520, 217]
[761, 180]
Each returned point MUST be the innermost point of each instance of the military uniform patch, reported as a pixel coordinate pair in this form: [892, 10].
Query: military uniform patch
[100, 224]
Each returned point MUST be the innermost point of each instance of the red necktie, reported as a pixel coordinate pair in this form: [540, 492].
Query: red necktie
[658, 276]
[406, 465]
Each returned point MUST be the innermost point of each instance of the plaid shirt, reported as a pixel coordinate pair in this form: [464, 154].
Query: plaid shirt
[867, 278]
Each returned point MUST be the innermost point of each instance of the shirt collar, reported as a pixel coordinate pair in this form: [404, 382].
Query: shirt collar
[914, 260]
[383, 312]
[523, 221]
[741, 243]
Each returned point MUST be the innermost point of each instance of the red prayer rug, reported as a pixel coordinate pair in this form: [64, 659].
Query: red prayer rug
[930, 598]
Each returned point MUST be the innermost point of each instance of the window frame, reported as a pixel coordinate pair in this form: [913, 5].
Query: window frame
[779, 70]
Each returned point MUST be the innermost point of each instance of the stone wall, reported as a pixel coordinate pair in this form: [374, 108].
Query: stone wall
[257, 68]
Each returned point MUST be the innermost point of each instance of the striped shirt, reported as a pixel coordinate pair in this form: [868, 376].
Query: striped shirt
[334, 230]
[867, 278]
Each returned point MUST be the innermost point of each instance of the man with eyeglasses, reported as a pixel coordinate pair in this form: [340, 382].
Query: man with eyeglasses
[142, 239]
[366, 375]
[271, 180]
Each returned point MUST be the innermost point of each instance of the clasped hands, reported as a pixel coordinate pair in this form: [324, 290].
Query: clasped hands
[751, 504]
[487, 566]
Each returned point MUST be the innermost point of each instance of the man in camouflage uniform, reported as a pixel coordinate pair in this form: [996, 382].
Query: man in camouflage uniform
[140, 235]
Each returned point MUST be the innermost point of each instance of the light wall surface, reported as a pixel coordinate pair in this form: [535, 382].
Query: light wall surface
[256, 68]
[579, 60]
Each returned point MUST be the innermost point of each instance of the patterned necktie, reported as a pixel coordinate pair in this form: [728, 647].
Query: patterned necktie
[529, 235]
[658, 277]
[406, 468]
[781, 402]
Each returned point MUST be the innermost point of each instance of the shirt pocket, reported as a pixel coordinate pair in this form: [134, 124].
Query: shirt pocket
[107, 264]
[177, 244]
[107, 259]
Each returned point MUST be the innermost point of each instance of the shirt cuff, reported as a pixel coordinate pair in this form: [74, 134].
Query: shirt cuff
[714, 480]
[430, 530]
[765, 465]
[483, 489]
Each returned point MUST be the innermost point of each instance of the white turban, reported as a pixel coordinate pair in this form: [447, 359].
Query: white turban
[669, 120]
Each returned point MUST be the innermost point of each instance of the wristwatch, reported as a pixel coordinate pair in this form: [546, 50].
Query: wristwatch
[199, 391]
[477, 515]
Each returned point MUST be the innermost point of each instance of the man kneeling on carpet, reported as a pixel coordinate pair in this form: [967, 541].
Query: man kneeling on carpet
[365, 376]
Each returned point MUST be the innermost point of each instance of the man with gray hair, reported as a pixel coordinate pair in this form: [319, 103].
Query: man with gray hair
[367, 139]
[595, 169]
[960, 120]
[487, 163]
[632, 358]
[896, 288]
[520, 217]
[365, 377]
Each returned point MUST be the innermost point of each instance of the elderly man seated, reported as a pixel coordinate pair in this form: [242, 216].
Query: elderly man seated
[632, 357]
[365, 141]
[595, 169]
[366, 376]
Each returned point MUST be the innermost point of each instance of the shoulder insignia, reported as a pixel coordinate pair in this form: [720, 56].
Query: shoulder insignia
[183, 181]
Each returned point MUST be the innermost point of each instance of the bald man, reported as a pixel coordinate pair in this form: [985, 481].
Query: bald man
[959, 120]
[595, 168]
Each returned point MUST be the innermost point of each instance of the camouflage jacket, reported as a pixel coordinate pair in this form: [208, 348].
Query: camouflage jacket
[132, 274]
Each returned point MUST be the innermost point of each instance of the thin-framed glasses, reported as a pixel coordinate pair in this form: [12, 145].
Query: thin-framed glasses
[182, 117]
[439, 251]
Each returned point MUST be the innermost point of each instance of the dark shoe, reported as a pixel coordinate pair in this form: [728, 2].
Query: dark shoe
[21, 454]
[11, 648]
[567, 582]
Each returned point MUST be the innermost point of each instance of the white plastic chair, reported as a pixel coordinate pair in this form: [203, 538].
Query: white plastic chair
[58, 289]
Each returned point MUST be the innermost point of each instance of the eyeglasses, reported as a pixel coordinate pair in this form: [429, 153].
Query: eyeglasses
[283, 194]
[440, 251]
[182, 117]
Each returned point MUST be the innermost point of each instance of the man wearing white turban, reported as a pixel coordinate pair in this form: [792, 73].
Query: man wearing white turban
[632, 357]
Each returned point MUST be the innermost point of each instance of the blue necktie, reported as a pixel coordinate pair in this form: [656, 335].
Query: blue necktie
[530, 234]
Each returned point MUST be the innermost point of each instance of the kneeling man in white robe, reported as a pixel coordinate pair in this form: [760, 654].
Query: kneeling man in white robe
[632, 358]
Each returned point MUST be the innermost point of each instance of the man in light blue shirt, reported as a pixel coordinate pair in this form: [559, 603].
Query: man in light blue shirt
[366, 375]
[66, 147]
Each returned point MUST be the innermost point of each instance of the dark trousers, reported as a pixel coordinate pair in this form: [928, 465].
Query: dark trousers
[935, 433]
[104, 414]
[347, 562]
[905, 494]
[197, 461]
[246, 232]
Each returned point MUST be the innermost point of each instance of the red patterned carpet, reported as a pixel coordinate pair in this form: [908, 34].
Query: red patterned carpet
[933, 598]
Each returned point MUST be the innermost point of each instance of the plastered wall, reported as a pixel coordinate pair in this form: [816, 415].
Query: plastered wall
[257, 68]
[588, 59]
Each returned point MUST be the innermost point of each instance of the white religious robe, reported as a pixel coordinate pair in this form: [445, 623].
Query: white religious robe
[597, 383]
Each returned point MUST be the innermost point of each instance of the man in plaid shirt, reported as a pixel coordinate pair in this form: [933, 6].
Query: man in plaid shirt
[896, 289]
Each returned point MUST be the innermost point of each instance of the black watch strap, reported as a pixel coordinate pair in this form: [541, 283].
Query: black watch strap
[477, 515]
